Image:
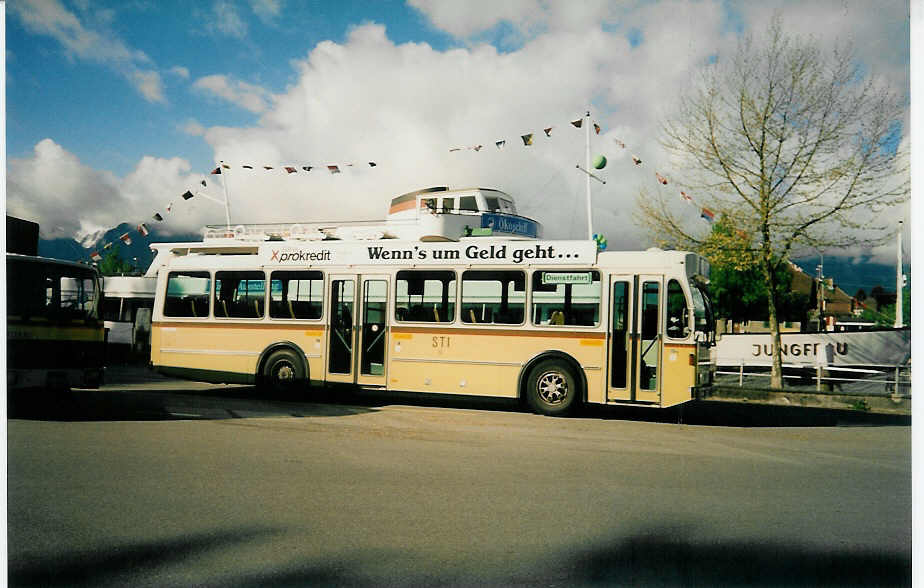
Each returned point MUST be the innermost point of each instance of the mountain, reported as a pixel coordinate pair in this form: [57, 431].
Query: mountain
[139, 249]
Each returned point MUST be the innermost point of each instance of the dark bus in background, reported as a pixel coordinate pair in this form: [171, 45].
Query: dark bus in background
[55, 338]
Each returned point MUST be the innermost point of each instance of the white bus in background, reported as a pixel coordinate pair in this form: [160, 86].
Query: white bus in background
[126, 311]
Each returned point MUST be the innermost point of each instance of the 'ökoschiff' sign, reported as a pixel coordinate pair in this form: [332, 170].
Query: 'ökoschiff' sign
[385, 253]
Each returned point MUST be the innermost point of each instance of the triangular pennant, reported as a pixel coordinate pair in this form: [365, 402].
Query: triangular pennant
[126, 239]
[596, 128]
[661, 178]
[477, 147]
[95, 256]
[267, 167]
[372, 164]
[107, 246]
[578, 122]
[143, 229]
[247, 166]
[636, 160]
[158, 217]
[685, 196]
[204, 185]
[215, 171]
[500, 144]
[620, 143]
[169, 206]
[226, 166]
[187, 195]
[455, 149]
[548, 131]
[527, 139]
[290, 170]
[334, 169]
[307, 168]
[708, 215]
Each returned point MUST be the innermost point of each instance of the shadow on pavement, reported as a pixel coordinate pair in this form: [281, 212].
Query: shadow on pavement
[121, 562]
[666, 558]
[654, 558]
[140, 405]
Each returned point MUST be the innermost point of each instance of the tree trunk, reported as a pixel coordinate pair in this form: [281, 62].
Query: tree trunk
[776, 369]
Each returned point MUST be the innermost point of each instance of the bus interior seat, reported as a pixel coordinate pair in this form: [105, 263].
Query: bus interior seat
[557, 318]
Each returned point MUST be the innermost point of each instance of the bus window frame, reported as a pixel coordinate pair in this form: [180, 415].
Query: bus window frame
[687, 308]
[323, 280]
[452, 300]
[215, 295]
[461, 294]
[531, 301]
[208, 296]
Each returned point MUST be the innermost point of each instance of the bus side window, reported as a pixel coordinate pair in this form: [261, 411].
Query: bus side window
[187, 294]
[296, 294]
[426, 296]
[678, 323]
[493, 297]
[239, 294]
[566, 297]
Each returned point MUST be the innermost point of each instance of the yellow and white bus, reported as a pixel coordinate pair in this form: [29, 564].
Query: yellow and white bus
[552, 322]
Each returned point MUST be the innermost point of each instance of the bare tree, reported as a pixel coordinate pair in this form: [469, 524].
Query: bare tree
[797, 147]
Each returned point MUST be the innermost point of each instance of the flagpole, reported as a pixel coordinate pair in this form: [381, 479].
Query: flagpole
[590, 228]
[224, 183]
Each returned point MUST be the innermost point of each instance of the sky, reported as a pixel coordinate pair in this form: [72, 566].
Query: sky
[115, 109]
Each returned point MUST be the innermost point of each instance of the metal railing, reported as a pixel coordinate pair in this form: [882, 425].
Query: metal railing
[871, 379]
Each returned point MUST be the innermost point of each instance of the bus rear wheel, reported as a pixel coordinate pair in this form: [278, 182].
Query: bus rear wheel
[552, 388]
[282, 372]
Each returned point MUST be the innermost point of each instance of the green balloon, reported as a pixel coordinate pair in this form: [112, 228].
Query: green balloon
[599, 162]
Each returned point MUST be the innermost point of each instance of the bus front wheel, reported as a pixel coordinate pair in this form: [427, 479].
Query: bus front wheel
[282, 372]
[552, 388]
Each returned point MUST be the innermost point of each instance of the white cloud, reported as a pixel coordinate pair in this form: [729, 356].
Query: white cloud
[465, 19]
[225, 21]
[180, 71]
[247, 96]
[68, 198]
[194, 128]
[266, 10]
[149, 84]
[52, 19]
[404, 105]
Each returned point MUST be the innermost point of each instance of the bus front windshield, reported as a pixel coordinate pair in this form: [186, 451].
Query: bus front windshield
[702, 309]
[50, 291]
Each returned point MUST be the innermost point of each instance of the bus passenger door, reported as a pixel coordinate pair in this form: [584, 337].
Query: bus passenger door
[342, 300]
[373, 332]
[647, 360]
[620, 381]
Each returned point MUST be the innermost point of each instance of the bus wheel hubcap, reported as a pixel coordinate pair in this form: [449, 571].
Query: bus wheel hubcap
[552, 387]
[285, 373]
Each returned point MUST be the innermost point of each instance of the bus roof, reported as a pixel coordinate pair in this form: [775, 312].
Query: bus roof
[472, 252]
